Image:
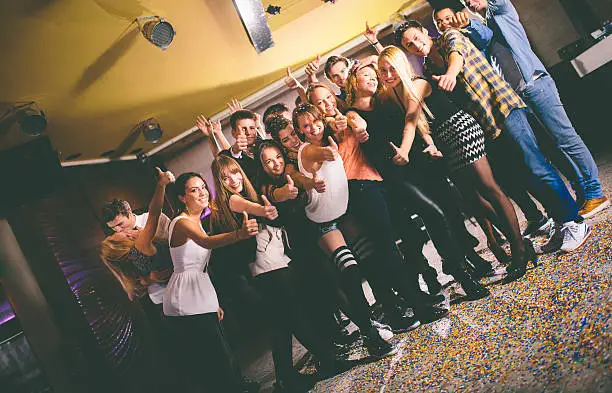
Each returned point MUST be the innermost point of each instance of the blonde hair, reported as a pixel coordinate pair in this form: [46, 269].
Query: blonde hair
[114, 255]
[222, 218]
[351, 84]
[311, 88]
[396, 57]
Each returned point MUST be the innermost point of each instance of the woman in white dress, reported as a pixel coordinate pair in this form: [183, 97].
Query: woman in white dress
[190, 300]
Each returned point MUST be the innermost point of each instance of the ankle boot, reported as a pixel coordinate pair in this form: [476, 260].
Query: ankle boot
[430, 276]
[473, 289]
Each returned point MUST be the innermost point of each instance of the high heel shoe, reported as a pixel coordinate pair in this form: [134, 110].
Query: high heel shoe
[430, 276]
[517, 268]
[499, 253]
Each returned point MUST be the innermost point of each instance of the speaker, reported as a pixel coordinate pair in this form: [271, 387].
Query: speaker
[30, 171]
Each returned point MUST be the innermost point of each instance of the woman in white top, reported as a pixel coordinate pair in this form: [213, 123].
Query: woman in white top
[325, 210]
[190, 301]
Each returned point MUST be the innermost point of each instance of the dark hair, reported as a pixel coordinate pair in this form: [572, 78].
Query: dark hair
[401, 29]
[181, 183]
[333, 60]
[241, 114]
[306, 108]
[266, 144]
[273, 110]
[275, 124]
[114, 208]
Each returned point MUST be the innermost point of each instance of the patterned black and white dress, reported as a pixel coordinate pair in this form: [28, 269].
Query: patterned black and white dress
[457, 134]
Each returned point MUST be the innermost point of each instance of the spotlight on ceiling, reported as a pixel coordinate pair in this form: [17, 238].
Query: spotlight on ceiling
[151, 130]
[32, 120]
[157, 30]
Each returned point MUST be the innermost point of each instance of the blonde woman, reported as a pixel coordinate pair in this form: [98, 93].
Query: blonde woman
[462, 142]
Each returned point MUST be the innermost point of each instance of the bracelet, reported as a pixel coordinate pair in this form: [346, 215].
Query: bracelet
[374, 43]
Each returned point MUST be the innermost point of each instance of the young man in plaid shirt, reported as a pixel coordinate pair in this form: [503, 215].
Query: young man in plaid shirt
[459, 67]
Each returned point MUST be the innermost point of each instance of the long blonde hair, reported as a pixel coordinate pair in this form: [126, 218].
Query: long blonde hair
[114, 255]
[397, 58]
[351, 84]
[222, 218]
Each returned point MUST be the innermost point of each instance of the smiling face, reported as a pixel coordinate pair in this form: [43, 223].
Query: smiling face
[233, 180]
[196, 194]
[311, 128]
[289, 138]
[443, 19]
[338, 73]
[367, 81]
[388, 73]
[416, 42]
[324, 100]
[273, 161]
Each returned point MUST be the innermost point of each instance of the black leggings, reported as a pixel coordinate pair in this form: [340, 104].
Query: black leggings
[423, 199]
[280, 290]
[206, 356]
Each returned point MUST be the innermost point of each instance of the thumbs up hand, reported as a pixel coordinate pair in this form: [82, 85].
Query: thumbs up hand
[359, 126]
[290, 81]
[249, 227]
[401, 155]
[340, 122]
[269, 211]
[318, 183]
[164, 178]
[330, 153]
[286, 192]
[242, 143]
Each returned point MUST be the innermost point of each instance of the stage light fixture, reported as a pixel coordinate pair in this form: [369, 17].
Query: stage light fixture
[31, 119]
[151, 130]
[157, 30]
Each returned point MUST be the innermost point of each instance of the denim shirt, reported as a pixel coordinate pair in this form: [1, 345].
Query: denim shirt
[503, 14]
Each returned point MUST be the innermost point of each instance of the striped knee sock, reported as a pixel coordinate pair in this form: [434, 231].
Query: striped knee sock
[343, 258]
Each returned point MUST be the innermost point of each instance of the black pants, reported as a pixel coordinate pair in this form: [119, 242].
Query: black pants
[280, 290]
[206, 356]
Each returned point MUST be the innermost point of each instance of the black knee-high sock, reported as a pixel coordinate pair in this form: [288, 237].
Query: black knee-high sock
[350, 277]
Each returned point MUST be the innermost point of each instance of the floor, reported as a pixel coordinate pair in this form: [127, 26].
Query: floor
[547, 332]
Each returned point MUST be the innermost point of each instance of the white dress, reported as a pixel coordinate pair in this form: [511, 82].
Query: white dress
[189, 290]
[331, 204]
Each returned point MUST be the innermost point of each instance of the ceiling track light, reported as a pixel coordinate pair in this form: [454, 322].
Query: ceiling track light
[151, 130]
[32, 120]
[156, 30]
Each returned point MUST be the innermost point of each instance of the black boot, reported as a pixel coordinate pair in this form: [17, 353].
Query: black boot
[481, 267]
[430, 276]
[399, 320]
[377, 347]
[429, 314]
[473, 289]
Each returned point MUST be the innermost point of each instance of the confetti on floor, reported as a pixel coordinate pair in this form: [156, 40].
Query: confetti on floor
[550, 331]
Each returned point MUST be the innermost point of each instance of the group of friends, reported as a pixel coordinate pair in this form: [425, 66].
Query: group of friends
[309, 202]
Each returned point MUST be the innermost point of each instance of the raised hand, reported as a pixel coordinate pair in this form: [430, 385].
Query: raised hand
[249, 227]
[234, 105]
[460, 20]
[370, 34]
[270, 211]
[242, 143]
[433, 151]
[340, 122]
[164, 178]
[292, 190]
[445, 82]
[330, 153]
[318, 183]
[312, 68]
[204, 125]
[401, 156]
[359, 126]
[291, 82]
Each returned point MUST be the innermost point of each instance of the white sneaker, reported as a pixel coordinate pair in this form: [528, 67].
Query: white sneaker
[384, 330]
[574, 235]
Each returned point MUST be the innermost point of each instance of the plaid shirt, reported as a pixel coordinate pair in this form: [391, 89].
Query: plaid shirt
[490, 98]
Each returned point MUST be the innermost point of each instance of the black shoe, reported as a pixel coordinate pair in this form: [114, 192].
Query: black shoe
[377, 347]
[473, 289]
[480, 266]
[343, 337]
[341, 319]
[425, 299]
[430, 276]
[296, 383]
[429, 314]
[536, 227]
[517, 268]
[499, 237]
[400, 321]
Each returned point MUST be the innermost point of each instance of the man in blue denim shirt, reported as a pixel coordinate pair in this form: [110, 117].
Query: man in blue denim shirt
[540, 93]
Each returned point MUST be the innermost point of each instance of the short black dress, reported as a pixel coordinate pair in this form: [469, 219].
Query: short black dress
[457, 134]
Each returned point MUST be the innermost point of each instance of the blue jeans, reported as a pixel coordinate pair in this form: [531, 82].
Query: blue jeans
[546, 184]
[543, 98]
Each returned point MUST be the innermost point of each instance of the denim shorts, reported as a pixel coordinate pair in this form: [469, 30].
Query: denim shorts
[326, 227]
